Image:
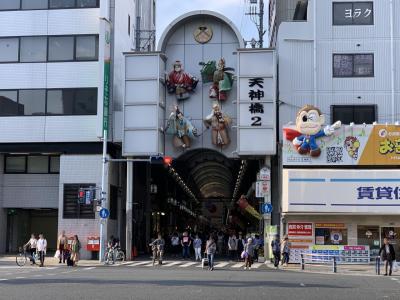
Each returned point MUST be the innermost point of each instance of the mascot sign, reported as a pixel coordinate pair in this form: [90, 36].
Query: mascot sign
[310, 142]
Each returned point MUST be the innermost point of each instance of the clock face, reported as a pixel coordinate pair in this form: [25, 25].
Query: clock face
[203, 34]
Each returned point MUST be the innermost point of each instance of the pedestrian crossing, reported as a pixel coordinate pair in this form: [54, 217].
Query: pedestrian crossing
[182, 264]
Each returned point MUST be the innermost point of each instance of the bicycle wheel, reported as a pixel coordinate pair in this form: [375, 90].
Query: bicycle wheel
[121, 256]
[21, 259]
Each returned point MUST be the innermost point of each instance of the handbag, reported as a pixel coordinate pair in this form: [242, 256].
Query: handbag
[57, 255]
[244, 254]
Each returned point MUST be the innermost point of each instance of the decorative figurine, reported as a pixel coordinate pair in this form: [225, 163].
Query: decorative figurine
[352, 144]
[180, 82]
[181, 128]
[220, 76]
[309, 123]
[219, 123]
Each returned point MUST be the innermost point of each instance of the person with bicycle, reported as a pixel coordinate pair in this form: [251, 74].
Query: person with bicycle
[112, 249]
[157, 247]
[32, 243]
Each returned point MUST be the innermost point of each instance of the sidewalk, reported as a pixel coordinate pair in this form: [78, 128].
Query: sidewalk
[53, 262]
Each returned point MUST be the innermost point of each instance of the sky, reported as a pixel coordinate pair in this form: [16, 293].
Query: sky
[169, 10]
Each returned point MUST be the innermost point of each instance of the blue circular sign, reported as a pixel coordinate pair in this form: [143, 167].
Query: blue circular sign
[267, 208]
[104, 213]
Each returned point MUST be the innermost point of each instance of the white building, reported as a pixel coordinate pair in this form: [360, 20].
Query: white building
[51, 108]
[343, 59]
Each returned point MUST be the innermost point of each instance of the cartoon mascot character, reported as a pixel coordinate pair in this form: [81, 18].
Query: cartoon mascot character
[309, 123]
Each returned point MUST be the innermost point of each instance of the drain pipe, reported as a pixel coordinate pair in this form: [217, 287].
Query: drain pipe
[392, 59]
[314, 3]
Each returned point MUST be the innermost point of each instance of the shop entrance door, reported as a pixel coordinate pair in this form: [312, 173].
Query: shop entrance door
[393, 234]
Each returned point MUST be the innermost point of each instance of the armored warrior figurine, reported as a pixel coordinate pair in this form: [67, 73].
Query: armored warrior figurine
[181, 128]
[219, 123]
[180, 82]
[222, 81]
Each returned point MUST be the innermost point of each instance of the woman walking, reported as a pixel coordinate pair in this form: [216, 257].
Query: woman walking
[75, 248]
[249, 253]
[211, 248]
[197, 247]
[285, 250]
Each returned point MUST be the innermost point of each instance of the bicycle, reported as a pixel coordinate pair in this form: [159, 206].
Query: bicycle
[114, 254]
[22, 257]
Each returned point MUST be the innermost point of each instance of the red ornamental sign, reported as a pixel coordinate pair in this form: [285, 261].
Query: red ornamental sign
[300, 229]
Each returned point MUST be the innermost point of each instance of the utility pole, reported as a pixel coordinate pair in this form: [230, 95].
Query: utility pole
[256, 13]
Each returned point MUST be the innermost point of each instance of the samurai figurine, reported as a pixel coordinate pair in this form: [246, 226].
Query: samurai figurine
[181, 128]
[222, 81]
[180, 82]
[219, 123]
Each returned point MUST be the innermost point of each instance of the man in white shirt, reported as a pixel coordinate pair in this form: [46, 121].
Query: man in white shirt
[41, 248]
[32, 247]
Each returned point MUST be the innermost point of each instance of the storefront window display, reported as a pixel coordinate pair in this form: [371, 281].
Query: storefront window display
[369, 236]
[330, 234]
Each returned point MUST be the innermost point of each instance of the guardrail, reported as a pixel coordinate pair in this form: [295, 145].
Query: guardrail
[331, 260]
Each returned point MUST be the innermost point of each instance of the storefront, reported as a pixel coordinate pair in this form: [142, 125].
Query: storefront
[341, 191]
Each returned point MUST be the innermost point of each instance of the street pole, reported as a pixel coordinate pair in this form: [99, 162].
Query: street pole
[103, 197]
[129, 208]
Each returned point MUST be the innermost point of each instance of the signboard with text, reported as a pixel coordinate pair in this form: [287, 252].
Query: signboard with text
[256, 103]
[366, 145]
[341, 191]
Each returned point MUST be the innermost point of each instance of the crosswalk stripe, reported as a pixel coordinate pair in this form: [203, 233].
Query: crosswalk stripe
[188, 264]
[139, 263]
[90, 268]
[221, 265]
[172, 264]
[239, 265]
[256, 265]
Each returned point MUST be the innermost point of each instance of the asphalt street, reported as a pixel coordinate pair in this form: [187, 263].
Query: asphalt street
[133, 281]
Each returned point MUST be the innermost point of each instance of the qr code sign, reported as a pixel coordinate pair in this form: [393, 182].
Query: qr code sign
[334, 154]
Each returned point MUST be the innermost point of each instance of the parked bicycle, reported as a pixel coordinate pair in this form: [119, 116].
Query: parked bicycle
[23, 256]
[114, 254]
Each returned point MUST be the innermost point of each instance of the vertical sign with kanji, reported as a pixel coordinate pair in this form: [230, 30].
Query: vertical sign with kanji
[106, 83]
[256, 102]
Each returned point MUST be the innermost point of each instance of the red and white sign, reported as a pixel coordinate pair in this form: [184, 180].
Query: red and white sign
[300, 229]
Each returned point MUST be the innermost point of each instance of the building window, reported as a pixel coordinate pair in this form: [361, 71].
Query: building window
[87, 47]
[357, 114]
[86, 3]
[8, 103]
[32, 102]
[9, 49]
[55, 164]
[31, 164]
[62, 3]
[9, 5]
[72, 102]
[33, 49]
[72, 208]
[353, 65]
[38, 164]
[129, 25]
[15, 164]
[34, 4]
[61, 48]
[353, 13]
[330, 236]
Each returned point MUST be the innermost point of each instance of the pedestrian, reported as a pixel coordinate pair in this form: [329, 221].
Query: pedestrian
[32, 243]
[157, 247]
[220, 242]
[387, 254]
[41, 247]
[197, 247]
[232, 247]
[240, 247]
[185, 242]
[285, 250]
[175, 243]
[276, 250]
[256, 243]
[62, 245]
[75, 250]
[249, 254]
[211, 248]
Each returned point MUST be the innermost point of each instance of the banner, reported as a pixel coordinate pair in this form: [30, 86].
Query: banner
[363, 145]
[107, 70]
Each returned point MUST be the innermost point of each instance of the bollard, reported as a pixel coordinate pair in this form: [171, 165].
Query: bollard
[302, 261]
[378, 266]
[334, 264]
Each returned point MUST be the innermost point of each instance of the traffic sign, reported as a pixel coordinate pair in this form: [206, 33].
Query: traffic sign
[104, 213]
[266, 208]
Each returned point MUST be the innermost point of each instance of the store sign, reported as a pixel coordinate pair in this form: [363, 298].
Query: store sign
[366, 145]
[256, 102]
[262, 189]
[300, 229]
[341, 191]
[265, 174]
[330, 225]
